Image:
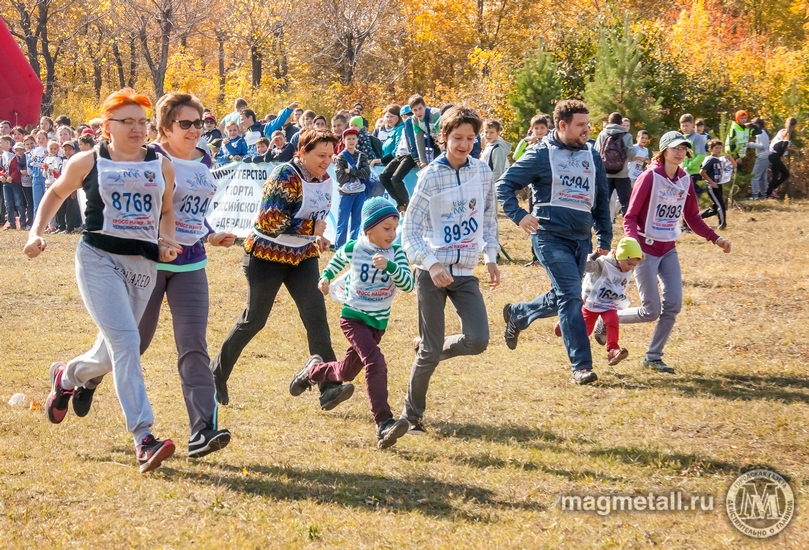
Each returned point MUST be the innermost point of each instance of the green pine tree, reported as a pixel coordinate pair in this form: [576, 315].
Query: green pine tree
[620, 82]
[537, 88]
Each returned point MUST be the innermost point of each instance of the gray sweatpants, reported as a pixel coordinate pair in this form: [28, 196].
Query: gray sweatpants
[187, 295]
[467, 300]
[115, 290]
[666, 268]
[759, 182]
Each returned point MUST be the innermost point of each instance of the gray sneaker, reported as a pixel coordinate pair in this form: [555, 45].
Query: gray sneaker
[390, 431]
[301, 382]
[583, 377]
[657, 365]
[335, 395]
[600, 332]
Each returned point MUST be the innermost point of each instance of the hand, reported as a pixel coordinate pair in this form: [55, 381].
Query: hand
[293, 105]
[322, 243]
[34, 247]
[380, 261]
[529, 224]
[236, 158]
[494, 275]
[168, 249]
[532, 139]
[602, 251]
[347, 170]
[375, 162]
[320, 228]
[223, 238]
[724, 245]
[421, 164]
[226, 141]
[714, 186]
[323, 286]
[440, 275]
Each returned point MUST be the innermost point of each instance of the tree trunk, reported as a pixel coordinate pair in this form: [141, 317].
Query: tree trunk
[133, 61]
[50, 60]
[220, 39]
[255, 61]
[119, 62]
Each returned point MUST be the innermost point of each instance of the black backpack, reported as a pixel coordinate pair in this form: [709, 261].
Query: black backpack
[613, 153]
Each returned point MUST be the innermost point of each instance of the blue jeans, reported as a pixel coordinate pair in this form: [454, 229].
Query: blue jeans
[350, 207]
[15, 200]
[39, 192]
[564, 261]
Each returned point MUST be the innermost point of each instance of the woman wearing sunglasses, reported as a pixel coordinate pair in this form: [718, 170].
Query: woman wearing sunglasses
[184, 281]
[662, 194]
[283, 249]
[130, 225]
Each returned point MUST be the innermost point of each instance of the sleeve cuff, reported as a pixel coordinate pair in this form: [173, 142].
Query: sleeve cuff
[490, 255]
[429, 261]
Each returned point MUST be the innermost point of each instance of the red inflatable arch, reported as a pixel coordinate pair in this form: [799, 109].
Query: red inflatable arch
[21, 91]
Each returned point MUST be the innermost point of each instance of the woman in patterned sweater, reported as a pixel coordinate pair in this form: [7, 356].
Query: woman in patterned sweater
[283, 249]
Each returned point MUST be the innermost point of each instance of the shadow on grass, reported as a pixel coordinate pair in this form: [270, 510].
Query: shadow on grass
[486, 461]
[356, 490]
[678, 462]
[733, 387]
[500, 433]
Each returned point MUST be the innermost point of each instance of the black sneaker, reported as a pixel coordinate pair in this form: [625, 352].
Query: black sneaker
[300, 383]
[657, 365]
[417, 428]
[600, 332]
[333, 396]
[512, 332]
[583, 377]
[221, 387]
[390, 431]
[207, 441]
[151, 453]
[82, 400]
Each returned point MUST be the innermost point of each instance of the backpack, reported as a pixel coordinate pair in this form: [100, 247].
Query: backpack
[614, 153]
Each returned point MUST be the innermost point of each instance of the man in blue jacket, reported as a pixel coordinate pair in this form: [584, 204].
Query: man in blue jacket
[571, 195]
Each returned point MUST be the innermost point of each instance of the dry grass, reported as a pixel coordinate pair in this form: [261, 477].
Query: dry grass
[508, 431]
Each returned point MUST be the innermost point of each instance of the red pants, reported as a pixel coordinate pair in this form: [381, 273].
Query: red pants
[364, 352]
[610, 320]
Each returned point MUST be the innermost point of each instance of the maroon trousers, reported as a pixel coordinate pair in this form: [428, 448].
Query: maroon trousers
[364, 352]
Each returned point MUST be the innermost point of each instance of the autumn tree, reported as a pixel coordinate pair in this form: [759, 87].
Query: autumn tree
[537, 87]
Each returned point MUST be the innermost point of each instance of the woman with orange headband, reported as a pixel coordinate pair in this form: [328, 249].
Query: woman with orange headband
[129, 224]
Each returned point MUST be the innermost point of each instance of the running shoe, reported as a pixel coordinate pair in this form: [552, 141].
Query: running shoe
[512, 332]
[657, 365]
[583, 377]
[207, 441]
[300, 383]
[615, 356]
[334, 395]
[390, 431]
[151, 452]
[221, 387]
[775, 195]
[557, 330]
[417, 427]
[59, 398]
[82, 400]
[600, 332]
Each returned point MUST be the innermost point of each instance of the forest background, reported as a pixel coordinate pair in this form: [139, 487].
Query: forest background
[653, 61]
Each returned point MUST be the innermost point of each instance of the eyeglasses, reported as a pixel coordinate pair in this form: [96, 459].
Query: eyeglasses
[186, 124]
[681, 149]
[131, 122]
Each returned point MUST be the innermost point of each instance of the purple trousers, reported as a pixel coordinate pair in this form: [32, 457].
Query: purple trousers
[364, 352]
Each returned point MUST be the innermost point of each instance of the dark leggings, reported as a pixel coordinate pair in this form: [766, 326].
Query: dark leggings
[264, 279]
[718, 207]
[28, 194]
[392, 178]
[780, 173]
[68, 216]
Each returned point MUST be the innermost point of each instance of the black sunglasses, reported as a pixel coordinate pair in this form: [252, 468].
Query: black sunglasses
[186, 124]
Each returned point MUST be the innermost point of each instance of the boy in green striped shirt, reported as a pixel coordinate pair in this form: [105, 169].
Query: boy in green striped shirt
[376, 268]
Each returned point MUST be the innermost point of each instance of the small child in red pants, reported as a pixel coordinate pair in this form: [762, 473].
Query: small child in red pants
[376, 269]
[604, 292]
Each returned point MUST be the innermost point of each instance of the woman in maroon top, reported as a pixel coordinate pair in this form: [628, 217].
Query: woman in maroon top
[662, 194]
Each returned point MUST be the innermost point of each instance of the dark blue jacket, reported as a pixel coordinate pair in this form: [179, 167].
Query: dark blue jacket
[410, 135]
[534, 169]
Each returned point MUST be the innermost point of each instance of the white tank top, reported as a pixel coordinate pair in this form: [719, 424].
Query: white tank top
[666, 203]
[574, 178]
[608, 291]
[457, 216]
[193, 190]
[132, 193]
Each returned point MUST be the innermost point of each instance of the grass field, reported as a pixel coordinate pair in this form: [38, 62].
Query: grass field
[508, 432]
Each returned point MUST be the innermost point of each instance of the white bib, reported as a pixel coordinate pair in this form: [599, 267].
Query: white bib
[132, 193]
[315, 205]
[636, 167]
[609, 290]
[193, 190]
[727, 171]
[666, 204]
[251, 137]
[369, 288]
[574, 178]
[457, 216]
